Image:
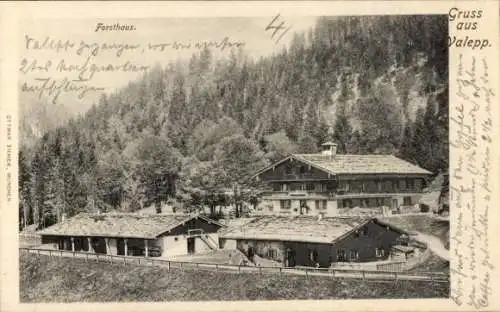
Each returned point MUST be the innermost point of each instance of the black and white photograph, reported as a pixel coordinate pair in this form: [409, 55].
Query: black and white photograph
[234, 158]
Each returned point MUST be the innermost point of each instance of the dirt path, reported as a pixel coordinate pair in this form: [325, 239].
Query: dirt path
[434, 244]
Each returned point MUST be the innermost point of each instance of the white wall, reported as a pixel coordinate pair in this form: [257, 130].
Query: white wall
[200, 246]
[331, 208]
[172, 247]
[229, 244]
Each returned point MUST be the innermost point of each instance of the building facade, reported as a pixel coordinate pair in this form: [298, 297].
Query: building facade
[331, 184]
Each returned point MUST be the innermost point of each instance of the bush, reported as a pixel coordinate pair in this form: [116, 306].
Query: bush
[424, 208]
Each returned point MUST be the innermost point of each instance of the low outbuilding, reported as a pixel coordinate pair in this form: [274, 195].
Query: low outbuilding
[313, 241]
[134, 234]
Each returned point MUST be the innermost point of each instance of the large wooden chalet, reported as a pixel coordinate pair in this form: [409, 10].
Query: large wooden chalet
[331, 184]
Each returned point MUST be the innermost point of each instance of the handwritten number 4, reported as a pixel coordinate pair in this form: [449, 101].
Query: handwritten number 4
[278, 29]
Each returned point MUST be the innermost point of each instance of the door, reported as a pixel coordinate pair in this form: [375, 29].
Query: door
[251, 253]
[303, 207]
[290, 257]
[395, 204]
[120, 246]
[190, 245]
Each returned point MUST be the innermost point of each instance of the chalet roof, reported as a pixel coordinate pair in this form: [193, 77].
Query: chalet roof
[127, 225]
[297, 229]
[355, 164]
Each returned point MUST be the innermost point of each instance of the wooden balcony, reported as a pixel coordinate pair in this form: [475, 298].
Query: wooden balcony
[333, 195]
[297, 195]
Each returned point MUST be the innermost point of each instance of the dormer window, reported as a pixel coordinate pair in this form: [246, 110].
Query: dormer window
[363, 231]
[379, 252]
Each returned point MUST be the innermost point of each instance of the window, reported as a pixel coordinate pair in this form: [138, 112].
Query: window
[284, 187]
[388, 186]
[354, 255]
[418, 184]
[363, 231]
[318, 187]
[302, 169]
[276, 187]
[272, 253]
[395, 186]
[356, 186]
[341, 255]
[407, 201]
[285, 204]
[379, 252]
[345, 186]
[310, 187]
[347, 203]
[410, 184]
[331, 186]
[320, 204]
[402, 185]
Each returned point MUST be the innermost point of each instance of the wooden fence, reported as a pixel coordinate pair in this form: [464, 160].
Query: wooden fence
[326, 272]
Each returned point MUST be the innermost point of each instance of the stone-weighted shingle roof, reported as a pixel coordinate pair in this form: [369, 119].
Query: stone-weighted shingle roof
[362, 164]
[117, 225]
[297, 229]
[341, 164]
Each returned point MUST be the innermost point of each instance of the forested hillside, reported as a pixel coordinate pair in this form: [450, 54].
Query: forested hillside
[373, 84]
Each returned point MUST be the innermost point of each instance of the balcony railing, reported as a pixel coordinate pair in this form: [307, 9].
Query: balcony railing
[195, 232]
[336, 195]
[298, 194]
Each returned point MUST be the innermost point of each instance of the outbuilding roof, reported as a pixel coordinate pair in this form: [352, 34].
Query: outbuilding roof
[298, 229]
[355, 164]
[126, 225]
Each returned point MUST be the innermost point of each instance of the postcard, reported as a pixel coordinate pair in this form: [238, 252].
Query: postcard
[216, 156]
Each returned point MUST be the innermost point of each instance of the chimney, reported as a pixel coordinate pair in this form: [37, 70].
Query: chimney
[329, 149]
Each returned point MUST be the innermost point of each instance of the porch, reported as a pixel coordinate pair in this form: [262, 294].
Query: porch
[106, 245]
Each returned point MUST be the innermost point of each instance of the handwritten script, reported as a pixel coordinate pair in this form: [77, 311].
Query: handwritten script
[470, 188]
[74, 64]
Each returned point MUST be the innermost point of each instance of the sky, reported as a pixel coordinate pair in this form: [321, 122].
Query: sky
[250, 31]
